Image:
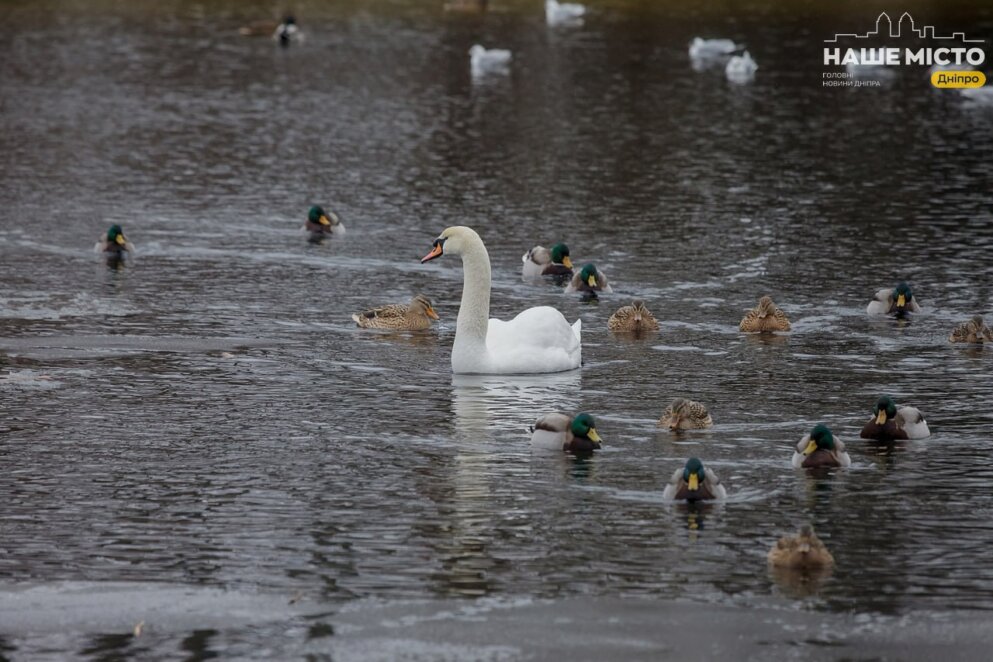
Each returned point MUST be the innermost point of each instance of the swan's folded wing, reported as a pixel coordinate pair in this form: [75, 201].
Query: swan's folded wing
[537, 340]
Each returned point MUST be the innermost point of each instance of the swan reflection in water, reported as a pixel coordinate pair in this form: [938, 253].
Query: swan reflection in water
[491, 415]
[485, 404]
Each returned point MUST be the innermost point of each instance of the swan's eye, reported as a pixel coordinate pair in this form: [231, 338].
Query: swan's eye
[439, 242]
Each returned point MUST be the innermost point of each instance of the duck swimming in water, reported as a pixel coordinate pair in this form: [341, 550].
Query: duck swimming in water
[820, 448]
[889, 422]
[114, 246]
[541, 261]
[415, 316]
[589, 281]
[974, 332]
[635, 318]
[560, 432]
[684, 414]
[804, 551]
[321, 224]
[764, 318]
[694, 482]
[898, 302]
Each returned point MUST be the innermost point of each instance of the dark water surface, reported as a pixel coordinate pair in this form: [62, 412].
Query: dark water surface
[203, 441]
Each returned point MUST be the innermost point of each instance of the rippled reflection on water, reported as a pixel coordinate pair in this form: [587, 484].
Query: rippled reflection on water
[209, 416]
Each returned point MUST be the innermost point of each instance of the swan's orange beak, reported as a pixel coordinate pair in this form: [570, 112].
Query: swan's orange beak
[435, 252]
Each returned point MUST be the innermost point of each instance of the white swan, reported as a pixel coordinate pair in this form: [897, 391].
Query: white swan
[537, 340]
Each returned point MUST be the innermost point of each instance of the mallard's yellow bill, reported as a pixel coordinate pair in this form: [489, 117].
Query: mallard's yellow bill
[323, 220]
[881, 418]
[593, 435]
[567, 262]
[430, 313]
[591, 281]
[811, 447]
[694, 482]
[120, 239]
[901, 301]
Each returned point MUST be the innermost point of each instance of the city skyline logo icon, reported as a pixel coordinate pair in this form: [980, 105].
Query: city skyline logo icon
[885, 27]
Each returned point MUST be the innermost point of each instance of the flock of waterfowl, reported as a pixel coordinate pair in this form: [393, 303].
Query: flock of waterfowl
[738, 64]
[541, 340]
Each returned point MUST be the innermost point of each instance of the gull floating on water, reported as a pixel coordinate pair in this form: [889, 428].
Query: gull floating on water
[704, 49]
[563, 13]
[741, 68]
[485, 61]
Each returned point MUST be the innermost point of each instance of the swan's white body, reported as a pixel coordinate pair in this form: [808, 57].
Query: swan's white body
[701, 49]
[492, 60]
[563, 13]
[741, 68]
[537, 340]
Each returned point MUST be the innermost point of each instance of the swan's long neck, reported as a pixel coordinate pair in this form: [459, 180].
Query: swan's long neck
[474, 313]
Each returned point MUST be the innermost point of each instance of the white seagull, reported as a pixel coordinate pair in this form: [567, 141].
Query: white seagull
[485, 61]
[563, 13]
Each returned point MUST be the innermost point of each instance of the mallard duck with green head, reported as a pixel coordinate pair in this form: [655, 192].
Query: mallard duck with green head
[321, 224]
[765, 318]
[685, 414]
[820, 448]
[562, 432]
[694, 482]
[415, 316]
[890, 423]
[589, 281]
[804, 551]
[974, 332]
[541, 261]
[114, 246]
[635, 318]
[899, 301]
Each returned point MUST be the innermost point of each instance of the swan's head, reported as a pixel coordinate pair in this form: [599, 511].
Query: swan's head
[455, 240]
[116, 234]
[589, 274]
[584, 426]
[820, 439]
[320, 217]
[693, 473]
[560, 255]
[885, 409]
[421, 305]
[477, 51]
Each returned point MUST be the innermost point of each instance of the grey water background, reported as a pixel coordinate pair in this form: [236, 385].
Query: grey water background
[203, 442]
